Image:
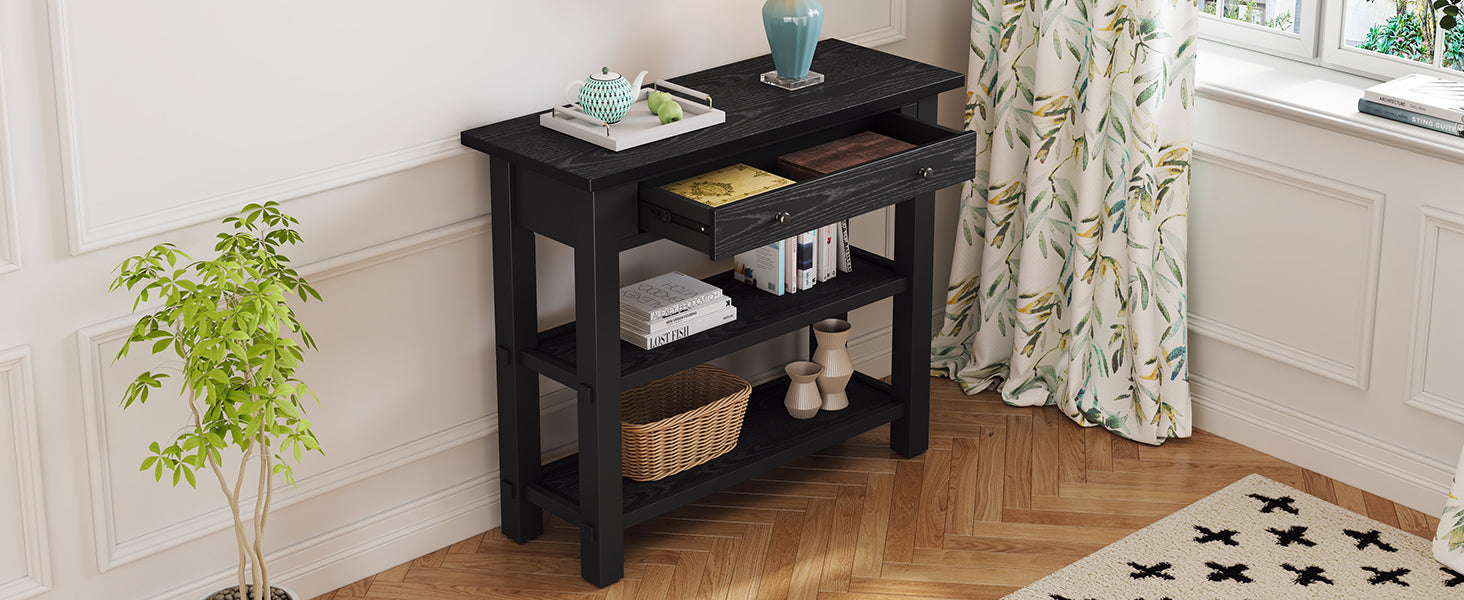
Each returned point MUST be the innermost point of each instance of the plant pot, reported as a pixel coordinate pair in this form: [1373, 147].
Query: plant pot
[231, 593]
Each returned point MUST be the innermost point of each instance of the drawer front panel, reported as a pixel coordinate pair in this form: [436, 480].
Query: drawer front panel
[944, 157]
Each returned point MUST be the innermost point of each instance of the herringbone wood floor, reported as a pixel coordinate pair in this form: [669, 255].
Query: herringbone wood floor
[1004, 496]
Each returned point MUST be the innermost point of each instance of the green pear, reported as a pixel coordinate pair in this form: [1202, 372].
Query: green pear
[670, 111]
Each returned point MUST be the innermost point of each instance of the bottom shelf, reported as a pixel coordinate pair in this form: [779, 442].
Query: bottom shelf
[770, 438]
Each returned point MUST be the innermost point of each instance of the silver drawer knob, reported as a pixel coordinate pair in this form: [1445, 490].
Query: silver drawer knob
[926, 173]
[783, 218]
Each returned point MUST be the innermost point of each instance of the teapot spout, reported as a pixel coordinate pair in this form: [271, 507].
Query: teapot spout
[636, 86]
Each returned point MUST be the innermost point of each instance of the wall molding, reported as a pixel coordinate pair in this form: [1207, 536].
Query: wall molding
[112, 552]
[1358, 372]
[86, 238]
[889, 34]
[16, 368]
[1435, 221]
[1350, 456]
[9, 223]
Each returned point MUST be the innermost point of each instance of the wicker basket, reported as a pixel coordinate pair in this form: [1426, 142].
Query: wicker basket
[680, 421]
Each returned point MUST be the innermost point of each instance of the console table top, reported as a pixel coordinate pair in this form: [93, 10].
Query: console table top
[859, 81]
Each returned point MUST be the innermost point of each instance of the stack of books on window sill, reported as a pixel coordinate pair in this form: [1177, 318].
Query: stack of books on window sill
[669, 307]
[1418, 100]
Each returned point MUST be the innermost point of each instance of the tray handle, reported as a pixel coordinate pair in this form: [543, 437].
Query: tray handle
[685, 91]
[569, 112]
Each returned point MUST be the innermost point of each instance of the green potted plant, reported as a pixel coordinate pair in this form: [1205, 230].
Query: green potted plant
[229, 324]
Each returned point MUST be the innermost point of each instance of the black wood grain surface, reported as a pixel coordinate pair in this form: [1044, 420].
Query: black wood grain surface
[859, 81]
[769, 439]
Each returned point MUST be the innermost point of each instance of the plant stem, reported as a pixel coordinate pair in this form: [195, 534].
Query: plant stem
[261, 511]
[232, 496]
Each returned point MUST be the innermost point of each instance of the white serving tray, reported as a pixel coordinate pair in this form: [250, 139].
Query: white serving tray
[639, 126]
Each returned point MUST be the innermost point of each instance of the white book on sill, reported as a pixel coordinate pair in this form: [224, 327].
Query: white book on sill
[1423, 94]
[692, 327]
[825, 253]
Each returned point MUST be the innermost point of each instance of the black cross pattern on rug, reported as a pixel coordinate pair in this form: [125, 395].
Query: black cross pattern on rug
[1294, 535]
[1371, 538]
[1283, 503]
[1232, 572]
[1308, 576]
[1456, 580]
[1224, 536]
[1057, 597]
[1156, 571]
[1380, 577]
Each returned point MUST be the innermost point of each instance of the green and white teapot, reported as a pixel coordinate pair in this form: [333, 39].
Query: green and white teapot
[605, 96]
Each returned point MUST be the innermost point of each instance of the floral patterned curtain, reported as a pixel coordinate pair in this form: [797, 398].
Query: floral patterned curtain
[1068, 280]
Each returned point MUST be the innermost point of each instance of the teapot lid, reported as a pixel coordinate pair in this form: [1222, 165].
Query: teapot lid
[605, 75]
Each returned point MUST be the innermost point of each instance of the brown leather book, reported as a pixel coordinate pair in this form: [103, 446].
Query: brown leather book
[838, 154]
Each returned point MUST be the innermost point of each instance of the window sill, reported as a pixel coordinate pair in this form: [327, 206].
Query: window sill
[1308, 94]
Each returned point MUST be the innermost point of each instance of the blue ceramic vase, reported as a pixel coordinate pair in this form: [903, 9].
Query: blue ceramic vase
[793, 27]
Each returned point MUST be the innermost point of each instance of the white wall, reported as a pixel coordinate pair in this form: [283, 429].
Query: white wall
[126, 124]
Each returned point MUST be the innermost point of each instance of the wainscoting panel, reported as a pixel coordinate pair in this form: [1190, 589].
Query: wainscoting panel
[9, 226]
[312, 110]
[24, 552]
[1435, 381]
[1277, 242]
[393, 365]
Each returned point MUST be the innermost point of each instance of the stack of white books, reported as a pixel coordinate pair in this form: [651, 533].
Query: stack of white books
[669, 307]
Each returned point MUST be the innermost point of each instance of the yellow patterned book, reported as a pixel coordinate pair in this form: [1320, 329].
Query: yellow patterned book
[727, 185]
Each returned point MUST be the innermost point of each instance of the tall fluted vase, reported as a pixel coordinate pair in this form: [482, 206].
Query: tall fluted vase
[832, 354]
[793, 27]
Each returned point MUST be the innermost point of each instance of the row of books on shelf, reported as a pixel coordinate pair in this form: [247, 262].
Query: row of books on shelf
[1419, 100]
[797, 263]
[669, 307]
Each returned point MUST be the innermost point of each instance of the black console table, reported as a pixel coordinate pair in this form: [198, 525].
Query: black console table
[599, 203]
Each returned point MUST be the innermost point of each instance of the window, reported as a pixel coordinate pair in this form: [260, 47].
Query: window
[1380, 38]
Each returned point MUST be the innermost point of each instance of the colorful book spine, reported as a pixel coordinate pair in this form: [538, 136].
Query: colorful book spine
[826, 255]
[790, 271]
[845, 258]
[807, 267]
[1410, 117]
[664, 324]
[693, 327]
[763, 267]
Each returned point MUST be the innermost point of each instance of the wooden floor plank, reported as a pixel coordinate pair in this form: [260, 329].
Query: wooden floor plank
[838, 567]
[1003, 496]
[874, 526]
[935, 493]
[1017, 473]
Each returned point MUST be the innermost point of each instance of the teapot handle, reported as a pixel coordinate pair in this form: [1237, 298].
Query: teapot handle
[571, 91]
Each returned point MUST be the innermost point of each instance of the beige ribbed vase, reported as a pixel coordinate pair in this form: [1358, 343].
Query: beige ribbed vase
[833, 355]
[802, 399]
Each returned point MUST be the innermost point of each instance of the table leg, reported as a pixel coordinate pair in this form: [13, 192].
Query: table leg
[516, 327]
[910, 355]
[597, 324]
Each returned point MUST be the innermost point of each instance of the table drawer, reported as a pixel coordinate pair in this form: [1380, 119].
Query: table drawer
[941, 157]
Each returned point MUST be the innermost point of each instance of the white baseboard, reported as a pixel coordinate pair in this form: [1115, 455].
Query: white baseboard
[1395, 473]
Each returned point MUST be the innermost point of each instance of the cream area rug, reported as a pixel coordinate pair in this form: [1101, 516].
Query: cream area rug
[1256, 540]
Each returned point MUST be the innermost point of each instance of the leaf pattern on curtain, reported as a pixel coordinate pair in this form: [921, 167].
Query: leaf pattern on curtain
[1068, 280]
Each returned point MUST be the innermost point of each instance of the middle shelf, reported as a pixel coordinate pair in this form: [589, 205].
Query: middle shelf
[760, 317]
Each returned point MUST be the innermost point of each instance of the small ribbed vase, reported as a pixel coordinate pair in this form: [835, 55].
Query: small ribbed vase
[833, 355]
[803, 399]
[793, 27]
